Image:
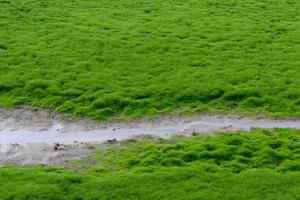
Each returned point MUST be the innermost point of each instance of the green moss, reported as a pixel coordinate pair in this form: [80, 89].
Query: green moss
[234, 152]
[146, 58]
[263, 164]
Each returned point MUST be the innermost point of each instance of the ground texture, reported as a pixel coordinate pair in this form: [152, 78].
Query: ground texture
[134, 58]
[143, 58]
[263, 164]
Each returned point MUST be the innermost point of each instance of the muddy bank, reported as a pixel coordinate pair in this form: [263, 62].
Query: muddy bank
[29, 136]
[40, 154]
[46, 154]
[23, 126]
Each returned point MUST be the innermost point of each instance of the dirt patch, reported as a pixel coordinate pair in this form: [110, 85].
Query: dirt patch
[32, 119]
[36, 119]
[46, 154]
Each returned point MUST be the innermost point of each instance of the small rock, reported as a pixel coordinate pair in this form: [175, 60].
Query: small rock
[58, 147]
[113, 141]
[132, 140]
[55, 147]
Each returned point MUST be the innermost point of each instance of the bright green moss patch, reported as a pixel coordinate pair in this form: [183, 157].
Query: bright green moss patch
[263, 164]
[143, 58]
[176, 183]
[268, 149]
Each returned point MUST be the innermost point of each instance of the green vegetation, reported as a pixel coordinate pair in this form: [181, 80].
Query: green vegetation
[268, 149]
[143, 58]
[263, 164]
[128, 59]
[177, 183]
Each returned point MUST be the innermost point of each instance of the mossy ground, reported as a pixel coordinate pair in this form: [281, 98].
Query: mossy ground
[263, 164]
[277, 149]
[132, 58]
[100, 59]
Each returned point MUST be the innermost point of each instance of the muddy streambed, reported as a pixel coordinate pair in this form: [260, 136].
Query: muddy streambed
[69, 134]
[34, 136]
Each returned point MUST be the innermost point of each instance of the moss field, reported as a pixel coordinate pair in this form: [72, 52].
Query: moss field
[136, 58]
[129, 59]
[262, 164]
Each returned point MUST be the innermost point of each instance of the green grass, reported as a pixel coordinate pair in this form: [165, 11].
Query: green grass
[128, 59]
[132, 58]
[182, 184]
[236, 152]
[263, 164]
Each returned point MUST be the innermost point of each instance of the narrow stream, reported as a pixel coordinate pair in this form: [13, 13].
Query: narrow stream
[205, 125]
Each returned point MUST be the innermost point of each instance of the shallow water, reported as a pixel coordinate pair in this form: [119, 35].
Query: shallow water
[204, 125]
